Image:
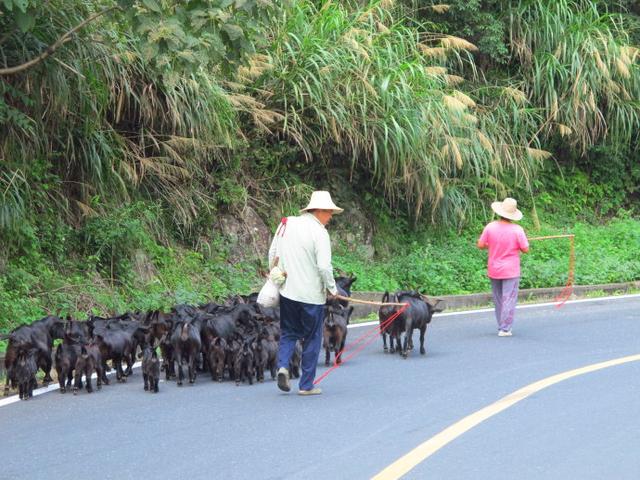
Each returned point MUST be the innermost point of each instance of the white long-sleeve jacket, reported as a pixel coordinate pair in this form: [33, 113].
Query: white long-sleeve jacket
[304, 252]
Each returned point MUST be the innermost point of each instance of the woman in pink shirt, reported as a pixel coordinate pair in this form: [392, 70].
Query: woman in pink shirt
[505, 240]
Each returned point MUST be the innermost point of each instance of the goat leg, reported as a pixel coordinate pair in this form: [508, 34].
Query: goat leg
[423, 330]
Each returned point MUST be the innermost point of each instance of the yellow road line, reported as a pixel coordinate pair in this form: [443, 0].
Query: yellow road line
[423, 451]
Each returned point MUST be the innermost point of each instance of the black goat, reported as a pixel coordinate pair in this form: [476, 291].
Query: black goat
[244, 362]
[393, 329]
[150, 369]
[416, 316]
[25, 369]
[67, 355]
[38, 336]
[335, 331]
[89, 361]
[186, 344]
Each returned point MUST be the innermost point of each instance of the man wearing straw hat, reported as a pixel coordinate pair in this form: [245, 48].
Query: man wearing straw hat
[304, 252]
[505, 240]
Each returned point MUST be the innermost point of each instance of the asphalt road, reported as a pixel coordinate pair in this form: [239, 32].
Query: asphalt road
[374, 410]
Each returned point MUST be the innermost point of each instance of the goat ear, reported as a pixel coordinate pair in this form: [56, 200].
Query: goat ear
[437, 308]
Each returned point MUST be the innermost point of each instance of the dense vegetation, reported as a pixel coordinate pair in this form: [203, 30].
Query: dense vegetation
[131, 127]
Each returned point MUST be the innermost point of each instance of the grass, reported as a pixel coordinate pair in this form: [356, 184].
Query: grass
[449, 263]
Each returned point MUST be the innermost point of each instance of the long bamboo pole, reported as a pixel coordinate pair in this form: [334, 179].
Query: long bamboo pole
[552, 236]
[367, 302]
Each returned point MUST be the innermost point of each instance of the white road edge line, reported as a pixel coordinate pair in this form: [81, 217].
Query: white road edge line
[52, 387]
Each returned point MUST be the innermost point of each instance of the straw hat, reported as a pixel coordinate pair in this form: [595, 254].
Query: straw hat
[507, 209]
[321, 200]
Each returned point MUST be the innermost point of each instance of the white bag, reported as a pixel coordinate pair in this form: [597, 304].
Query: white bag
[277, 275]
[269, 295]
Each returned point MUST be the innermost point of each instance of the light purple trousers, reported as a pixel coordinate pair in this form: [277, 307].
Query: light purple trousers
[505, 297]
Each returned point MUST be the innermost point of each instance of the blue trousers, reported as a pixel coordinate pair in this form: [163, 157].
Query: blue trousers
[300, 321]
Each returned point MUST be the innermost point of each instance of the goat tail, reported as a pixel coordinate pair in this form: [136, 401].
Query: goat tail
[184, 333]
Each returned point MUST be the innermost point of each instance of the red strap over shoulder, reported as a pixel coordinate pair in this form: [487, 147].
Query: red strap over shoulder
[283, 226]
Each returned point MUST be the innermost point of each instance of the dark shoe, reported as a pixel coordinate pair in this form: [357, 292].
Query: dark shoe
[283, 379]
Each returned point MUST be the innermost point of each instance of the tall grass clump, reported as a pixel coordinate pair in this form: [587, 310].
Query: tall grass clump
[352, 82]
[101, 121]
[579, 66]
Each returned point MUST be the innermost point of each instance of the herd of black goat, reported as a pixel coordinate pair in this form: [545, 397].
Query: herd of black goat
[237, 339]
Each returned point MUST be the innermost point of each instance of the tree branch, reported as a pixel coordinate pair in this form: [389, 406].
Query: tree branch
[50, 50]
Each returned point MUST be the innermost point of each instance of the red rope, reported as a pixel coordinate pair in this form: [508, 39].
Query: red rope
[370, 335]
[566, 292]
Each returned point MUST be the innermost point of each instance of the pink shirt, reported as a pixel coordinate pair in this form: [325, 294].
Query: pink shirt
[505, 240]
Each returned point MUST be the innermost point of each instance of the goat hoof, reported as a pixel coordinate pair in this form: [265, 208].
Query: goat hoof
[146, 388]
[89, 391]
[422, 351]
[63, 390]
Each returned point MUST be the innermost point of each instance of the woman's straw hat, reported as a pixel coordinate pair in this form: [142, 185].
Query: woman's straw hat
[508, 208]
[321, 200]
